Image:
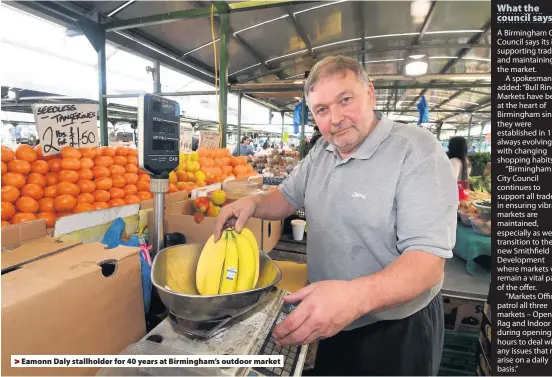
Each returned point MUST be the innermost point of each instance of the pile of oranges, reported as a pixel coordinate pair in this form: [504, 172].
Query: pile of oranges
[208, 166]
[74, 181]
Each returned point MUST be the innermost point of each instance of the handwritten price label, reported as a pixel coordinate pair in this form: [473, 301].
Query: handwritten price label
[186, 134]
[62, 125]
[209, 139]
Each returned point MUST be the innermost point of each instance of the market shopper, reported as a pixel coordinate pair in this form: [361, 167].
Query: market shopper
[458, 155]
[380, 199]
[245, 148]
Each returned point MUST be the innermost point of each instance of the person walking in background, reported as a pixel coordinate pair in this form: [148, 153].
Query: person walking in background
[245, 148]
[458, 156]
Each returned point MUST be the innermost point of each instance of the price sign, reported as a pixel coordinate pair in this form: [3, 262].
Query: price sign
[209, 139]
[186, 134]
[66, 125]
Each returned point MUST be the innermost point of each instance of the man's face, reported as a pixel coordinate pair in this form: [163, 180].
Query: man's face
[342, 107]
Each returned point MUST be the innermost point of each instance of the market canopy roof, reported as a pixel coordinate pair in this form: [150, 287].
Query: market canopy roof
[274, 44]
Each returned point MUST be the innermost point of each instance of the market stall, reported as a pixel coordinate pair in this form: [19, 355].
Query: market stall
[101, 196]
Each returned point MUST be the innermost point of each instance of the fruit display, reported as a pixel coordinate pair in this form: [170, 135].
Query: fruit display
[73, 181]
[277, 164]
[209, 206]
[207, 166]
[476, 214]
[229, 265]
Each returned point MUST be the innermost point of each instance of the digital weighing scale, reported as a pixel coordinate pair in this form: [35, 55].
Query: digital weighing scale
[158, 152]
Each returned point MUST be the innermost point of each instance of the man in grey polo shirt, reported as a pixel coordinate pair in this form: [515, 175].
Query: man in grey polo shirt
[380, 199]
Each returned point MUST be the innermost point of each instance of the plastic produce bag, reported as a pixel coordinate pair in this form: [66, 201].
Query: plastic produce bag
[147, 286]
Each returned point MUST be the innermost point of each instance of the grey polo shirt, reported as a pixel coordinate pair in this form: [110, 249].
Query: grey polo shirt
[396, 193]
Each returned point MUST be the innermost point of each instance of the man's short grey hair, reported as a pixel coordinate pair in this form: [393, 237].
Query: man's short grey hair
[332, 65]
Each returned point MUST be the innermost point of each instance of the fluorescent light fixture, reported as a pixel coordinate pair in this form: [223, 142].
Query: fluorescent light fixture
[390, 35]
[384, 61]
[291, 77]
[319, 6]
[418, 56]
[165, 54]
[262, 23]
[12, 94]
[284, 56]
[244, 69]
[120, 8]
[200, 47]
[453, 31]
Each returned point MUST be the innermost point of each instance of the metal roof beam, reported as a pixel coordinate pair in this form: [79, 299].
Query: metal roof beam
[471, 109]
[359, 20]
[474, 40]
[451, 98]
[361, 51]
[299, 30]
[164, 18]
[246, 46]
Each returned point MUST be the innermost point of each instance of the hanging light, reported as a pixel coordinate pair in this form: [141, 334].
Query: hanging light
[416, 65]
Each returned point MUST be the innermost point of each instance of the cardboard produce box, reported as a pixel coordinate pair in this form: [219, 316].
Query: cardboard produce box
[294, 275]
[179, 218]
[71, 299]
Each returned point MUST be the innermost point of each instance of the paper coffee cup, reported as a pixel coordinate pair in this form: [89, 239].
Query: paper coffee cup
[298, 227]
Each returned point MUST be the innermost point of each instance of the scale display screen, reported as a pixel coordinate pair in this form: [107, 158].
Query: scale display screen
[163, 107]
[166, 146]
[158, 135]
[163, 127]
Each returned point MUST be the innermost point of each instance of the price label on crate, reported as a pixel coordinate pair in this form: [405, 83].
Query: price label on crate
[209, 139]
[186, 136]
[61, 125]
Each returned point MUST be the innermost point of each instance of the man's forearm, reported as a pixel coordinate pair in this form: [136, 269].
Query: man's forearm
[406, 278]
[272, 206]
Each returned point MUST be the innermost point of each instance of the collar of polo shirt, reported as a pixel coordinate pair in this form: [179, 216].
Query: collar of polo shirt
[372, 142]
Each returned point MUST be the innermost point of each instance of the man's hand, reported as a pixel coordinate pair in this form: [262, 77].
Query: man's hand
[326, 308]
[234, 215]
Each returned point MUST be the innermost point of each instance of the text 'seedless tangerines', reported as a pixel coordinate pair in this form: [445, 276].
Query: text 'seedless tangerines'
[26, 204]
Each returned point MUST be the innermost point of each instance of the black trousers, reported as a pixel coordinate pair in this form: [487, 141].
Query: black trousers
[411, 346]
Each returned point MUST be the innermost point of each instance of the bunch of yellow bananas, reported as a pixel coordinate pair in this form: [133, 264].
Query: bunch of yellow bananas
[229, 265]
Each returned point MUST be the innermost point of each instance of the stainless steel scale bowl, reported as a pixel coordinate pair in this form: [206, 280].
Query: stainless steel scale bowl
[190, 309]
